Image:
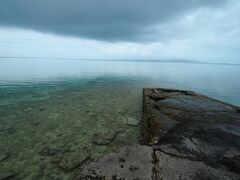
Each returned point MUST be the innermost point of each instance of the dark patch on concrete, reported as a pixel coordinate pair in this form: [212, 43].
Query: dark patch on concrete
[233, 164]
[200, 130]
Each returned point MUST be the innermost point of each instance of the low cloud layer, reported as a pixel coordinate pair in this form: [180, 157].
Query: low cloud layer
[105, 20]
[202, 30]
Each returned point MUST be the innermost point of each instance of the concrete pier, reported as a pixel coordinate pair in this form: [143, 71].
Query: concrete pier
[185, 135]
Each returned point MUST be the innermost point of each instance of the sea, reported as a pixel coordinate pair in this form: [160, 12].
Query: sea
[59, 115]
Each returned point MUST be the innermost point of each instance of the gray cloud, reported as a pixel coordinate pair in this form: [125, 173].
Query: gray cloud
[107, 20]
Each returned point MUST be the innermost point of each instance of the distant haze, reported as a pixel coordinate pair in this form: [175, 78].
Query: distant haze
[201, 30]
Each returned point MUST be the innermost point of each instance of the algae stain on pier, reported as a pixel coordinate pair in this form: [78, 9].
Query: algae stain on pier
[58, 135]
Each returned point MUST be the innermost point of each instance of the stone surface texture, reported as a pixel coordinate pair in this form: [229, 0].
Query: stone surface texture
[131, 162]
[185, 135]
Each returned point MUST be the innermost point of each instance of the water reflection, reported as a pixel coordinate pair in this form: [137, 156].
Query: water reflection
[219, 81]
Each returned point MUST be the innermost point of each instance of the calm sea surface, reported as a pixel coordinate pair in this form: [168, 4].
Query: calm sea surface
[56, 116]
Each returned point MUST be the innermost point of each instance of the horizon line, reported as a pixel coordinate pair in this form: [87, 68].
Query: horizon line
[123, 60]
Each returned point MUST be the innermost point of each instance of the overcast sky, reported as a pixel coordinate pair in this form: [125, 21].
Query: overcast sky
[203, 30]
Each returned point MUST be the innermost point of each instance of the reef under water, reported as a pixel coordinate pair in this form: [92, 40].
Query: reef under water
[55, 134]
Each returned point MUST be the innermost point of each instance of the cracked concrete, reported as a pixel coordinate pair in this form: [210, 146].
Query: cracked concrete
[185, 135]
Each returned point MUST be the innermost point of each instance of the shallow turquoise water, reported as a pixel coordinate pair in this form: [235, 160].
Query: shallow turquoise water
[38, 77]
[51, 110]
